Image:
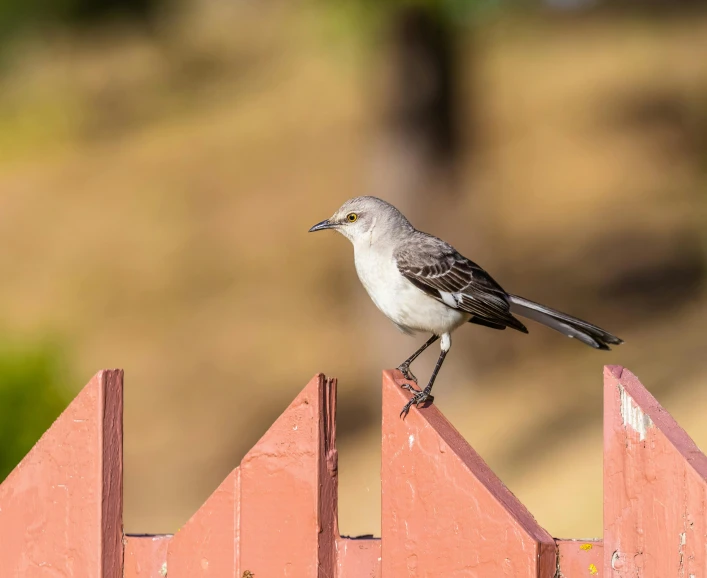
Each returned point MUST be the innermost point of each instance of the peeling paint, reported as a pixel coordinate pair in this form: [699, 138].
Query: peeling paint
[411, 440]
[616, 562]
[585, 547]
[633, 416]
[593, 569]
[163, 570]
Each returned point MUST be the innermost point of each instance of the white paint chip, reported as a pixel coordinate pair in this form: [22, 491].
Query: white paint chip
[411, 440]
[614, 559]
[633, 416]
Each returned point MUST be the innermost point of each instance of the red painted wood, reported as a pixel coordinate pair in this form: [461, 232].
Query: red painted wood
[146, 556]
[61, 507]
[580, 558]
[274, 515]
[444, 512]
[288, 510]
[655, 487]
[358, 558]
[110, 431]
[207, 545]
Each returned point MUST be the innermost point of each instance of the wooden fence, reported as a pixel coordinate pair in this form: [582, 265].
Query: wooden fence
[444, 512]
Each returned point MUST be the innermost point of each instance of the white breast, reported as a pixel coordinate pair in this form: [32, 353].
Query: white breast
[403, 303]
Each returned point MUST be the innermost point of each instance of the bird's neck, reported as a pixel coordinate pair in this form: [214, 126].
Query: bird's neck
[381, 232]
[372, 243]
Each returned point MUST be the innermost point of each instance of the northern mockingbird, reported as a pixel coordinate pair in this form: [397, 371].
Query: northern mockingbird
[422, 283]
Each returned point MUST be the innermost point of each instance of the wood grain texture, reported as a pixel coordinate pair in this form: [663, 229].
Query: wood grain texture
[444, 512]
[146, 556]
[580, 559]
[61, 507]
[655, 487]
[275, 514]
[283, 479]
[358, 558]
[207, 545]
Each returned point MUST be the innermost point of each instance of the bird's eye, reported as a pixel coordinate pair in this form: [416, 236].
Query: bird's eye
[351, 217]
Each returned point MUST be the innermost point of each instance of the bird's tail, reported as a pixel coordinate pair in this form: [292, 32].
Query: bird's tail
[566, 324]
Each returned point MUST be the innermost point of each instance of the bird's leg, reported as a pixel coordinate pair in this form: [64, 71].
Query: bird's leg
[421, 397]
[404, 367]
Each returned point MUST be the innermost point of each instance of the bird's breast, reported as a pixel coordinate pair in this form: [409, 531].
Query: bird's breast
[380, 276]
[399, 300]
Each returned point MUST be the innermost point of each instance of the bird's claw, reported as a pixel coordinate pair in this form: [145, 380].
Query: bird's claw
[404, 368]
[418, 399]
[409, 387]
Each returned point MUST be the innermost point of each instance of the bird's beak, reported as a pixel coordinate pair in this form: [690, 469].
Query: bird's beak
[325, 224]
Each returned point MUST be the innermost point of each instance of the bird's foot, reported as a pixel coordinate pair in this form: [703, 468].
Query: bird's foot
[417, 399]
[404, 368]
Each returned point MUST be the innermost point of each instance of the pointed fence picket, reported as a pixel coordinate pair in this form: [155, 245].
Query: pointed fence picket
[444, 512]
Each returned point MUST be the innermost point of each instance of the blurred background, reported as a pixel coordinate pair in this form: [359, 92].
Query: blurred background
[162, 160]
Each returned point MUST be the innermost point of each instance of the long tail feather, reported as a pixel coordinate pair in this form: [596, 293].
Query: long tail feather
[566, 324]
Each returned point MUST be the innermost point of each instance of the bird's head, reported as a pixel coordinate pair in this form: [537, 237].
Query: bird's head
[362, 217]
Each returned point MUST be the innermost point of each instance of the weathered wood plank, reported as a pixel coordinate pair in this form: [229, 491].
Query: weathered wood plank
[655, 487]
[61, 508]
[444, 512]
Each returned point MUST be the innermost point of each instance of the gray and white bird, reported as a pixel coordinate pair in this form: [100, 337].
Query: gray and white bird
[423, 284]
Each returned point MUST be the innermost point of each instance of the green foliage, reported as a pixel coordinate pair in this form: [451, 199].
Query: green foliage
[31, 398]
[19, 15]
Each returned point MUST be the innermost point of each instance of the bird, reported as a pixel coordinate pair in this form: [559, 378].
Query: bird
[423, 284]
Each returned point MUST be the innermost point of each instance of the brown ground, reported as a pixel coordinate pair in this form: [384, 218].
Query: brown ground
[155, 199]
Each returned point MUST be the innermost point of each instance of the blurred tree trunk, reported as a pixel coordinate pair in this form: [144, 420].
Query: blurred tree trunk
[414, 161]
[422, 106]
[416, 153]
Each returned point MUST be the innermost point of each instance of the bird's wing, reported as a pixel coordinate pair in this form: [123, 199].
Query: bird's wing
[439, 270]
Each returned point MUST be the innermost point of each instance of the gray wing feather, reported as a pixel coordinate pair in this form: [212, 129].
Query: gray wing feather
[436, 268]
